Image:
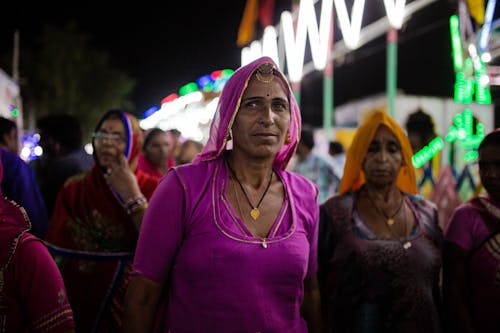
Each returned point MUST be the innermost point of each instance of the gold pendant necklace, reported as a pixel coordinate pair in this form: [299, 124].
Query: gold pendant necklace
[390, 220]
[254, 212]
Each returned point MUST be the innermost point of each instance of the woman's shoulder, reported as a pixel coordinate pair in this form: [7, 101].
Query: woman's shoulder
[427, 214]
[297, 182]
[465, 214]
[421, 202]
[344, 201]
[192, 177]
[192, 171]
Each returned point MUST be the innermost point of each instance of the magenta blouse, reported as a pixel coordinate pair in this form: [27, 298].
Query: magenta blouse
[217, 277]
[468, 230]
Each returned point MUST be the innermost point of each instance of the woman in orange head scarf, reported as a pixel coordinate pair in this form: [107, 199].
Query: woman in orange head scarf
[380, 241]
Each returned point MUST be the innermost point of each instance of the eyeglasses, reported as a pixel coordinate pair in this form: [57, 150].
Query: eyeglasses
[111, 137]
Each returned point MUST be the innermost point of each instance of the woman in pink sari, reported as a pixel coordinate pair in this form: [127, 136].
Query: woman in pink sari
[471, 279]
[157, 153]
[230, 240]
[32, 293]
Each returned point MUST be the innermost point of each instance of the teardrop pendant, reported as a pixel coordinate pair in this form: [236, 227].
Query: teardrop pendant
[264, 244]
[255, 213]
[390, 222]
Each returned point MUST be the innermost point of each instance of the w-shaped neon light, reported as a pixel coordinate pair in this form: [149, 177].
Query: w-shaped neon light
[307, 25]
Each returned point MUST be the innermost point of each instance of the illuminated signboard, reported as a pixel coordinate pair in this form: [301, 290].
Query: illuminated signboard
[307, 25]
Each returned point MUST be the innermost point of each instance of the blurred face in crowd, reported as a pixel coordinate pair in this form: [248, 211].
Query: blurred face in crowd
[11, 142]
[383, 158]
[189, 150]
[415, 141]
[158, 149]
[489, 169]
[110, 141]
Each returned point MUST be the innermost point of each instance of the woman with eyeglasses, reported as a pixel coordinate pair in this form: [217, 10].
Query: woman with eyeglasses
[101, 211]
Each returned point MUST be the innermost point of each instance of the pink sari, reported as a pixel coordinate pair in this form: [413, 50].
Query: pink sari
[32, 293]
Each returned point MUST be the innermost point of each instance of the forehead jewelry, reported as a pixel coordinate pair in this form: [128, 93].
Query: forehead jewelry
[265, 73]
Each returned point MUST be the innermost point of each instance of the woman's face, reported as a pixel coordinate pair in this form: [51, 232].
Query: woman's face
[489, 169]
[262, 122]
[157, 150]
[110, 141]
[383, 158]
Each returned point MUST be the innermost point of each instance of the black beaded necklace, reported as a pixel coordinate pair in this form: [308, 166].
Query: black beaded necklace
[255, 212]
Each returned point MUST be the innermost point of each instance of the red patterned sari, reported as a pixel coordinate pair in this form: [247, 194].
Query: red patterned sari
[88, 216]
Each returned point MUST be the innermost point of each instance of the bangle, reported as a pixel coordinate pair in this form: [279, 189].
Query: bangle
[134, 205]
[137, 209]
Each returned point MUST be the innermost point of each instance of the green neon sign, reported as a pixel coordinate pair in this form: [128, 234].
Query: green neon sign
[462, 132]
[468, 80]
[428, 152]
[456, 43]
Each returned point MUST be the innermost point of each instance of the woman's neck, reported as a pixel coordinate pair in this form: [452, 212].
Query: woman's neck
[383, 193]
[250, 171]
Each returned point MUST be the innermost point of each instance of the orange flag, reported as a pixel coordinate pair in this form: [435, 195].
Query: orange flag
[247, 26]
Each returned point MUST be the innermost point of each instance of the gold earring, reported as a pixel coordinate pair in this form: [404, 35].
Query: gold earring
[229, 142]
[288, 140]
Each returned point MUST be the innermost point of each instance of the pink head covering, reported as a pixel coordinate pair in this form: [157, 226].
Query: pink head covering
[227, 109]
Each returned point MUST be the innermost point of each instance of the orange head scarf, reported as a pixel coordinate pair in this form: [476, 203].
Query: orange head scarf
[353, 170]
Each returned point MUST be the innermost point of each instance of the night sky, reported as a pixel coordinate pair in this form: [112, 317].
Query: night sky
[162, 49]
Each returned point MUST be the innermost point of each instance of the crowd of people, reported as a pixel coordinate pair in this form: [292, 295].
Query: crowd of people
[254, 231]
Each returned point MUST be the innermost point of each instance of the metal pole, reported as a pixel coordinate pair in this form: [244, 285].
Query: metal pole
[392, 69]
[15, 58]
[296, 92]
[328, 118]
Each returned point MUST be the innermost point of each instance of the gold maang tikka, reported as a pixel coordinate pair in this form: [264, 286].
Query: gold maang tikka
[265, 73]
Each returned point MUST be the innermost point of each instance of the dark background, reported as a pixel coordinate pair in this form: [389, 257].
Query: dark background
[163, 49]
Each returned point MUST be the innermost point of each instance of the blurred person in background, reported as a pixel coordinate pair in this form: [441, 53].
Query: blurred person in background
[229, 241]
[380, 243]
[19, 184]
[188, 151]
[314, 167]
[336, 152]
[101, 211]
[157, 153]
[63, 155]
[175, 134]
[32, 293]
[9, 139]
[471, 275]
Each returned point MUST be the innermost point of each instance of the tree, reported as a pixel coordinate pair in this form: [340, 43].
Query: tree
[67, 75]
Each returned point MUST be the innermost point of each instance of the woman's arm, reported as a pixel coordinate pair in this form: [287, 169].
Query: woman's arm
[311, 310]
[456, 313]
[159, 240]
[140, 305]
